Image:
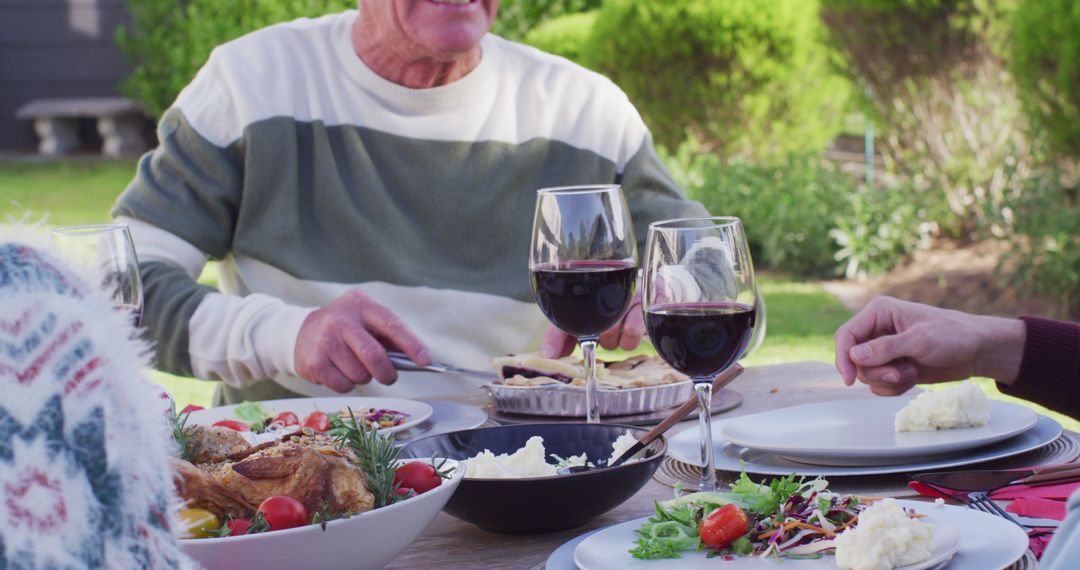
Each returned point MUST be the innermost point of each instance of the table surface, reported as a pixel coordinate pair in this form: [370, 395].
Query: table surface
[450, 543]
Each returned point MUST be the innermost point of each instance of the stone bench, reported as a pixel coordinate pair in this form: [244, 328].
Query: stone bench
[119, 122]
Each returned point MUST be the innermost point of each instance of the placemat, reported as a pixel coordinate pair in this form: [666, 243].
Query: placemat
[1064, 449]
[724, 400]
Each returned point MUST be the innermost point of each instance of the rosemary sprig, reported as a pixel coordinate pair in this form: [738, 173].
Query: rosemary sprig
[182, 434]
[376, 455]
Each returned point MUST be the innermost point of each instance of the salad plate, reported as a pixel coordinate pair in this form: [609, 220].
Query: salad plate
[861, 432]
[972, 539]
[728, 456]
[417, 411]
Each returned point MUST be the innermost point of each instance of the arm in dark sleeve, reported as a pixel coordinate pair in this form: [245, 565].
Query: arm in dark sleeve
[652, 193]
[1050, 369]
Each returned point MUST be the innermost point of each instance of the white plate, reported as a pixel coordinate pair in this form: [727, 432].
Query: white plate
[861, 432]
[448, 417]
[367, 540]
[979, 541]
[729, 457]
[418, 411]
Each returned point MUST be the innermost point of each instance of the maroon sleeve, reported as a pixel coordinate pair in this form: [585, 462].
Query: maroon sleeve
[1050, 369]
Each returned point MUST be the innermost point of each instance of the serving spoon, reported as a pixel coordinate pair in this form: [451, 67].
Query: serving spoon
[721, 380]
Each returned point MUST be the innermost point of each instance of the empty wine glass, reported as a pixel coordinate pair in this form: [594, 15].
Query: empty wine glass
[107, 254]
[583, 266]
[700, 301]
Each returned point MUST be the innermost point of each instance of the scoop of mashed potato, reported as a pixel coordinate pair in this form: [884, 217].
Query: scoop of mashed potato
[960, 406]
[884, 538]
[531, 460]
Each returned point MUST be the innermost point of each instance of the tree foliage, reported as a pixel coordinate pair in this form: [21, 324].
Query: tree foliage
[743, 77]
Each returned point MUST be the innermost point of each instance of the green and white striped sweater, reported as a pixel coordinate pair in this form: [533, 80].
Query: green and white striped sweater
[307, 175]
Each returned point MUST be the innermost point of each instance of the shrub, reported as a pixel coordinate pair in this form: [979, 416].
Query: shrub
[881, 227]
[565, 35]
[1044, 251]
[951, 119]
[743, 77]
[169, 41]
[519, 18]
[788, 205]
[1046, 64]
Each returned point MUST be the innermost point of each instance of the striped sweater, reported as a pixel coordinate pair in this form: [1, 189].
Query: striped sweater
[306, 174]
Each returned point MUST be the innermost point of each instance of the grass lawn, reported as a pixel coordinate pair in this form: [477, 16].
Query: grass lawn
[801, 317]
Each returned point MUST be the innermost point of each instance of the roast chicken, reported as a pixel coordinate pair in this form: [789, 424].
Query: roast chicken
[232, 479]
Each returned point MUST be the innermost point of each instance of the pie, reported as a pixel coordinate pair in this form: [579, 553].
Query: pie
[531, 369]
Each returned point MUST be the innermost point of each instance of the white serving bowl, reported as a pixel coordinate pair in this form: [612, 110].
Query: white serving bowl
[367, 540]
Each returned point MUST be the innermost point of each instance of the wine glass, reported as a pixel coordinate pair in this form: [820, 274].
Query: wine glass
[583, 266]
[700, 301]
[107, 253]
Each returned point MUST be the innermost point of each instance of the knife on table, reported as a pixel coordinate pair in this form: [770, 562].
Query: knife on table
[402, 362]
[991, 479]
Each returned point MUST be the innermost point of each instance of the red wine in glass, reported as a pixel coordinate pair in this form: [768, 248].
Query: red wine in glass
[700, 339]
[584, 298]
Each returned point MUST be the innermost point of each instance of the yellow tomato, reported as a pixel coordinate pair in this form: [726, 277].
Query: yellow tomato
[197, 523]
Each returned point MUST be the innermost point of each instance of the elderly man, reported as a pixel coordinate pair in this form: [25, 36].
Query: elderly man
[368, 179]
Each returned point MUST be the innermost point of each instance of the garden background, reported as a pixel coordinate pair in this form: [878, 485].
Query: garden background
[921, 148]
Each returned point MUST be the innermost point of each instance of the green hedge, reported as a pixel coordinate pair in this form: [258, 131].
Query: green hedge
[743, 77]
[1046, 64]
[564, 35]
[169, 41]
[520, 18]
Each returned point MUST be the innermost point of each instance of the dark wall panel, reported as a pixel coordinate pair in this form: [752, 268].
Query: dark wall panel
[55, 48]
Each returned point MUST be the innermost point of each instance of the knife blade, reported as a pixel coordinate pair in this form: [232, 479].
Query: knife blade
[990, 479]
[402, 362]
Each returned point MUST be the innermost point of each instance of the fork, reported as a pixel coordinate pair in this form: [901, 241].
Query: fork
[981, 501]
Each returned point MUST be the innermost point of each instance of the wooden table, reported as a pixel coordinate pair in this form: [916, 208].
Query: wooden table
[453, 544]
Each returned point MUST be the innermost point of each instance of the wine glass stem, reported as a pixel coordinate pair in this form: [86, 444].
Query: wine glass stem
[704, 398]
[592, 401]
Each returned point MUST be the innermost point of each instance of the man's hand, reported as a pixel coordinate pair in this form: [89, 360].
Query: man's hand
[892, 345]
[343, 344]
[627, 334]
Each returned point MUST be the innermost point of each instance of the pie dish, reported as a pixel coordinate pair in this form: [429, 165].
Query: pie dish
[531, 369]
[532, 385]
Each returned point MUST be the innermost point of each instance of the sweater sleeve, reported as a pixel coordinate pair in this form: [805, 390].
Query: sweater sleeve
[1050, 368]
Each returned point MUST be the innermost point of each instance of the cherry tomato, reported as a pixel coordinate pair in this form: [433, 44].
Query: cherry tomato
[723, 526]
[287, 419]
[238, 526]
[283, 511]
[418, 476]
[317, 421]
[191, 408]
[233, 424]
[197, 523]
[405, 492]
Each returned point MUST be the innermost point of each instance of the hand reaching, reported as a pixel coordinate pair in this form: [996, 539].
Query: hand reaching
[892, 345]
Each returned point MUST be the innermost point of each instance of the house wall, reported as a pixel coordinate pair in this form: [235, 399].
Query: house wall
[55, 48]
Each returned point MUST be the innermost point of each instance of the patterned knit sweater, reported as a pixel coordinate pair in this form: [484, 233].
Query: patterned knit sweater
[84, 469]
[307, 174]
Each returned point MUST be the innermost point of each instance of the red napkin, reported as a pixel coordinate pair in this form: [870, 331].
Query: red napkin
[1047, 501]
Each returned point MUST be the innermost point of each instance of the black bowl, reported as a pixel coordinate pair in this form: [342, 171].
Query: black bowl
[541, 504]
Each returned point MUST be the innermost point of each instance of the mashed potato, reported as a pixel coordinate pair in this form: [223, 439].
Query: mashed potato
[960, 406]
[531, 460]
[884, 539]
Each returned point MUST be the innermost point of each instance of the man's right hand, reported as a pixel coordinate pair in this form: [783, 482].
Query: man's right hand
[891, 345]
[344, 343]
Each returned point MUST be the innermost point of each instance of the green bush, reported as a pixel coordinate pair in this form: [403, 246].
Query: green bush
[1044, 253]
[743, 77]
[788, 205]
[519, 18]
[951, 120]
[169, 41]
[565, 35]
[1046, 64]
[881, 227]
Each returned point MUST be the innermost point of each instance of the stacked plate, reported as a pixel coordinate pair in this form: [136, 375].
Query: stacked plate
[857, 437]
